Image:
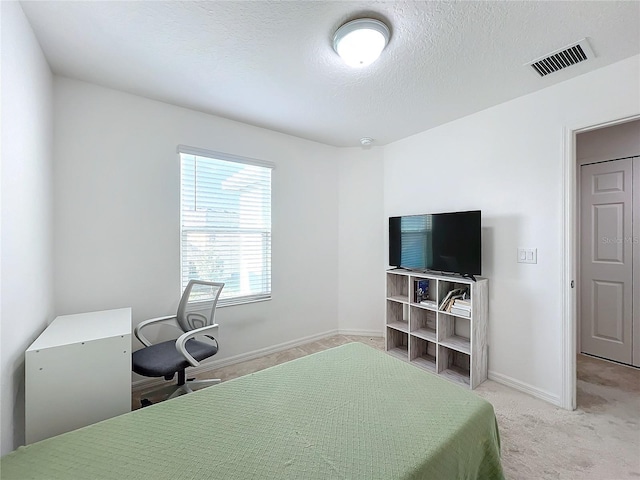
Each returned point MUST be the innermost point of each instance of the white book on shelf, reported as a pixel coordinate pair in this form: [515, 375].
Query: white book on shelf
[461, 306]
[461, 312]
[429, 303]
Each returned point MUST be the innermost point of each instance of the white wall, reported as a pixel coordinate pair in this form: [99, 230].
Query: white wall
[26, 256]
[609, 143]
[116, 224]
[508, 162]
[361, 242]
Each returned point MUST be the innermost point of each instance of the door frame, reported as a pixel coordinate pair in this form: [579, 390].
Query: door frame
[570, 257]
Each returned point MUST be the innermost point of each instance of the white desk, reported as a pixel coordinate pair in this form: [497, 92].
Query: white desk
[78, 372]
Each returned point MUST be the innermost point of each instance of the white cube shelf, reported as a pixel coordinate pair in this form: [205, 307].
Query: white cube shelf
[425, 332]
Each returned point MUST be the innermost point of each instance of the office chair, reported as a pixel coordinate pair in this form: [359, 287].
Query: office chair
[195, 318]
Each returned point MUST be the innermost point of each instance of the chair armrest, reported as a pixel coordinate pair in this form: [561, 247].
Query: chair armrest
[138, 333]
[182, 340]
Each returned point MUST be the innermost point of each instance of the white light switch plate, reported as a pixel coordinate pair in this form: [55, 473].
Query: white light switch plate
[527, 255]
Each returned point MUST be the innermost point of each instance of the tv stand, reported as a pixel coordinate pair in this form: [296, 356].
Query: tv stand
[445, 337]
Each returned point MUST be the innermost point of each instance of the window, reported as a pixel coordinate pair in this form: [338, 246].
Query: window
[225, 224]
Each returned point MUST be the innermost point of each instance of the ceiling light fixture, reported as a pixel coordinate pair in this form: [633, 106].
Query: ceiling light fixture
[360, 42]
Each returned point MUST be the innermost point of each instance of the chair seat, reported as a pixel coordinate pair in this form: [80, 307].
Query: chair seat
[163, 359]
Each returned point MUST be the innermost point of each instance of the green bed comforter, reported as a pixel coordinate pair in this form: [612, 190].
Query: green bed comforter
[350, 412]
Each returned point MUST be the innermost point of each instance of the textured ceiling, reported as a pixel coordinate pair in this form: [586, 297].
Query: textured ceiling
[271, 64]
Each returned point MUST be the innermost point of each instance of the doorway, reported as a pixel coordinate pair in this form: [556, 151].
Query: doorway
[607, 203]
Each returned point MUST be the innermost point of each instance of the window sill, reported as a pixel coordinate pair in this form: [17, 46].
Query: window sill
[240, 301]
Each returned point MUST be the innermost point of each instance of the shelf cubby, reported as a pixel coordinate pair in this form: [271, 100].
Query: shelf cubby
[423, 353]
[398, 288]
[454, 332]
[454, 365]
[396, 316]
[423, 323]
[429, 293]
[398, 344]
[448, 345]
[445, 286]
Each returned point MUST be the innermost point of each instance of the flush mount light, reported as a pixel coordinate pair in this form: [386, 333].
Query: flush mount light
[361, 41]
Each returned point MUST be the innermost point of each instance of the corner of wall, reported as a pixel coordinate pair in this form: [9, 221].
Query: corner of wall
[26, 279]
[361, 242]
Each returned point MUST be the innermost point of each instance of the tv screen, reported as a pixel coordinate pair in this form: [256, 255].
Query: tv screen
[445, 242]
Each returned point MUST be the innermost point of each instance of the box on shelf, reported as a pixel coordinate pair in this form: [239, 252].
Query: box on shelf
[421, 290]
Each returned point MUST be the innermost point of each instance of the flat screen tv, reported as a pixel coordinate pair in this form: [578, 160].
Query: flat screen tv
[444, 242]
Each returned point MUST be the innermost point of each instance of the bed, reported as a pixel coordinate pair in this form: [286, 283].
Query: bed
[350, 412]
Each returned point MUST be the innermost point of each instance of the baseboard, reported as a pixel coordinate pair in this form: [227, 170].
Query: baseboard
[146, 383]
[525, 388]
[361, 333]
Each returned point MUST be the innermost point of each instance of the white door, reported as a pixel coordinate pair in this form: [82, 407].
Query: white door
[606, 275]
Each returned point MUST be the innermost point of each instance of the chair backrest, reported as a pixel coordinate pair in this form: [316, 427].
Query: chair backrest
[198, 304]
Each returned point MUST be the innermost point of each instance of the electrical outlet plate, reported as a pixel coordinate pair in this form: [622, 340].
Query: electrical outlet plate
[527, 255]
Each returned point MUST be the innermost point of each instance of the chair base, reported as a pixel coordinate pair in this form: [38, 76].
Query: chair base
[189, 385]
[175, 390]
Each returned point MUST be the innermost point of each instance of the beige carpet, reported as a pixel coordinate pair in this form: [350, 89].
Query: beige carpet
[599, 441]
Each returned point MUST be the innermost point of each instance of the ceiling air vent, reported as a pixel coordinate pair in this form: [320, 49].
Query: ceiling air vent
[563, 58]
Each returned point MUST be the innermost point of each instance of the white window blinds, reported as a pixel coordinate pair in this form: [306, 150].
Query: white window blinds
[226, 223]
